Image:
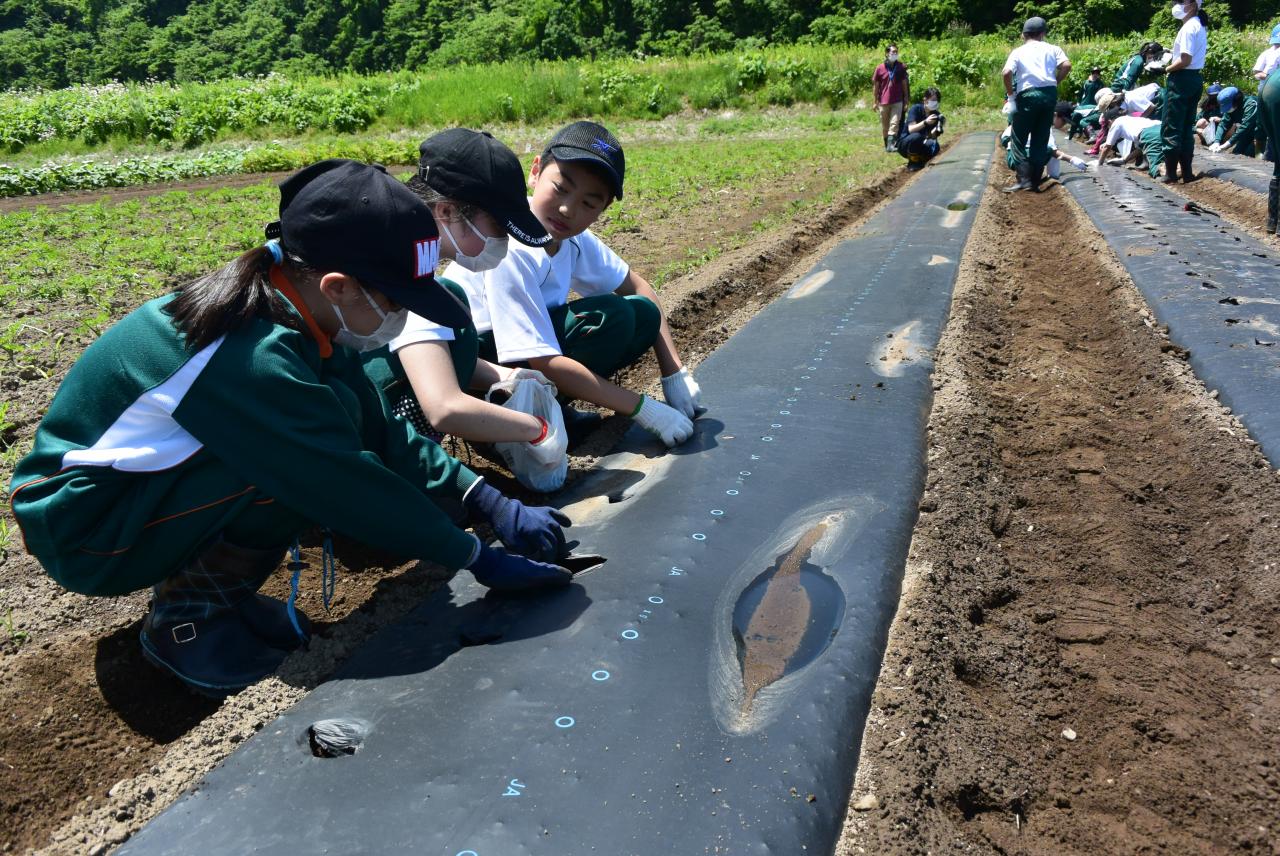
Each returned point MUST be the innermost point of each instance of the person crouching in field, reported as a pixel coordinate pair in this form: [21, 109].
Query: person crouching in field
[524, 315]
[924, 124]
[471, 183]
[1240, 129]
[1056, 155]
[192, 443]
[1136, 140]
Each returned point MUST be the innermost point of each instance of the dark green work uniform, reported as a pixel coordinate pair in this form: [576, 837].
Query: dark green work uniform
[1182, 96]
[1127, 75]
[1247, 135]
[149, 451]
[1269, 112]
[1152, 146]
[1089, 91]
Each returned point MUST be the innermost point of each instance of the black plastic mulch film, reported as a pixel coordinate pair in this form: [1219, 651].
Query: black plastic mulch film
[1216, 288]
[705, 690]
[1249, 173]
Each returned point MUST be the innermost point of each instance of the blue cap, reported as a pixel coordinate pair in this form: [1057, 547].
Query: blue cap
[1227, 98]
[1214, 89]
[1275, 35]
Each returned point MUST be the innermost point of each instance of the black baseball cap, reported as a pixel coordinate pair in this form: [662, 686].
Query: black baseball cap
[351, 217]
[473, 167]
[588, 141]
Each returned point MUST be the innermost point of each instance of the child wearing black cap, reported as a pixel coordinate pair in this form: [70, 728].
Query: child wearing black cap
[474, 186]
[196, 438]
[521, 307]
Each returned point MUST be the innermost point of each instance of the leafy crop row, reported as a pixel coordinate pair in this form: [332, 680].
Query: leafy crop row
[967, 68]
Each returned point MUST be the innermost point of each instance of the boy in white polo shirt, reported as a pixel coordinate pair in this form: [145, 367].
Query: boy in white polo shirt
[1031, 77]
[522, 309]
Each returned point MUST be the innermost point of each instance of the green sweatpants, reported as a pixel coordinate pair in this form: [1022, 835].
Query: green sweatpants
[1269, 110]
[605, 333]
[1178, 119]
[1033, 118]
[1152, 149]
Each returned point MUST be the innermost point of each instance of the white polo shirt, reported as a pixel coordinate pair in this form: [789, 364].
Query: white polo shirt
[515, 299]
[1191, 40]
[1268, 61]
[1138, 100]
[1034, 64]
[1127, 129]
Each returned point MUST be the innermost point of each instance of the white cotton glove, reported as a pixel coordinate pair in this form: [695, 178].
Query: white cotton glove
[666, 423]
[1008, 107]
[1079, 163]
[1154, 67]
[683, 393]
[1217, 147]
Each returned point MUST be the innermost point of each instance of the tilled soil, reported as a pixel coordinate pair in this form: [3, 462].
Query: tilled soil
[94, 742]
[1087, 656]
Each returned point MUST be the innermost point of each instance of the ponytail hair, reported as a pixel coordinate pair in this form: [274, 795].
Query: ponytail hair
[232, 297]
[431, 197]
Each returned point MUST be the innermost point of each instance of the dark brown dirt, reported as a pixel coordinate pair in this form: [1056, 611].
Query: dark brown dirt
[94, 742]
[1238, 205]
[1087, 657]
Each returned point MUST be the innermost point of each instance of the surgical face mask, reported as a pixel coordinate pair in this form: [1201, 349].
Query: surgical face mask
[931, 105]
[392, 325]
[893, 56]
[495, 250]
[1178, 11]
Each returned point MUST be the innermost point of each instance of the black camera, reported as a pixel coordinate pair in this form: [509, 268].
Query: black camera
[939, 126]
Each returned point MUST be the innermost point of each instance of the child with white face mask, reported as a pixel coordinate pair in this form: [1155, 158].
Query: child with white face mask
[474, 187]
[198, 437]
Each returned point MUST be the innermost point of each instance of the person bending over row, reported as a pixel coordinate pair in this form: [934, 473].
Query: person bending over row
[1240, 130]
[924, 124]
[194, 441]
[1056, 155]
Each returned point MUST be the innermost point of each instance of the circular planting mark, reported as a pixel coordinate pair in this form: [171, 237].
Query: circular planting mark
[599, 675]
[564, 722]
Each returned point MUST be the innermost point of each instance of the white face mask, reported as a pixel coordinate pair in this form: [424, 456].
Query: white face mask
[1178, 11]
[495, 250]
[893, 56]
[392, 325]
[931, 105]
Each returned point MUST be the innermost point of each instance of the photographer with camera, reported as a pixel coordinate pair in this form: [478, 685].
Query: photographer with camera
[923, 125]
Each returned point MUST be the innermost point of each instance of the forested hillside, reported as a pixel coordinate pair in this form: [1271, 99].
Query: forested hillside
[53, 43]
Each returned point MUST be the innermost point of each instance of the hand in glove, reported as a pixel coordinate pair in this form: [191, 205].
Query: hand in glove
[506, 572]
[530, 530]
[683, 393]
[666, 423]
[1079, 163]
[1008, 107]
[531, 374]
[1154, 67]
[1217, 147]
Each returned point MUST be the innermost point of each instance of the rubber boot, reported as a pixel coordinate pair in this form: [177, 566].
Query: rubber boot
[1171, 168]
[1188, 175]
[1037, 178]
[209, 628]
[1273, 205]
[1024, 178]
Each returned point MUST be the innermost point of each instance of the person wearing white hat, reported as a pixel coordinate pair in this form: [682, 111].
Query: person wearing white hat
[1186, 83]
[1031, 77]
[1269, 59]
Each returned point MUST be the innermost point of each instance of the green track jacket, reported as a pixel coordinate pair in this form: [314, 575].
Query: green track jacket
[148, 450]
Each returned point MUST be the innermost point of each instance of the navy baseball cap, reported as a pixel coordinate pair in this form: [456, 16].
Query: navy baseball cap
[353, 218]
[473, 167]
[1034, 25]
[591, 142]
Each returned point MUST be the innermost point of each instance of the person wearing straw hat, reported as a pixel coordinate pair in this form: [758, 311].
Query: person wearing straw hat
[1031, 76]
[1143, 101]
[1185, 83]
[193, 442]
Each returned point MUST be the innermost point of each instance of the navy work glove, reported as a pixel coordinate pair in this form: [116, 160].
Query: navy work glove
[502, 571]
[530, 530]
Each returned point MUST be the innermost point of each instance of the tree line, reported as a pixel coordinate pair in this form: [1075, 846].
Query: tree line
[55, 43]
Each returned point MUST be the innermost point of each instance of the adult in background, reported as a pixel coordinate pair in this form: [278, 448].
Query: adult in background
[1031, 77]
[1185, 83]
[1269, 107]
[923, 125]
[892, 87]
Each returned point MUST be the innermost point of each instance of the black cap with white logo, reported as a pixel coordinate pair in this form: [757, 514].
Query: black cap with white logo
[349, 217]
[587, 141]
[471, 166]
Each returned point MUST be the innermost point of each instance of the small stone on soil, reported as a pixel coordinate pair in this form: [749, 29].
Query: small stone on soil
[866, 803]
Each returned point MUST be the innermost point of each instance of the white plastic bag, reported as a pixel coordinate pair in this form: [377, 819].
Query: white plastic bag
[542, 467]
